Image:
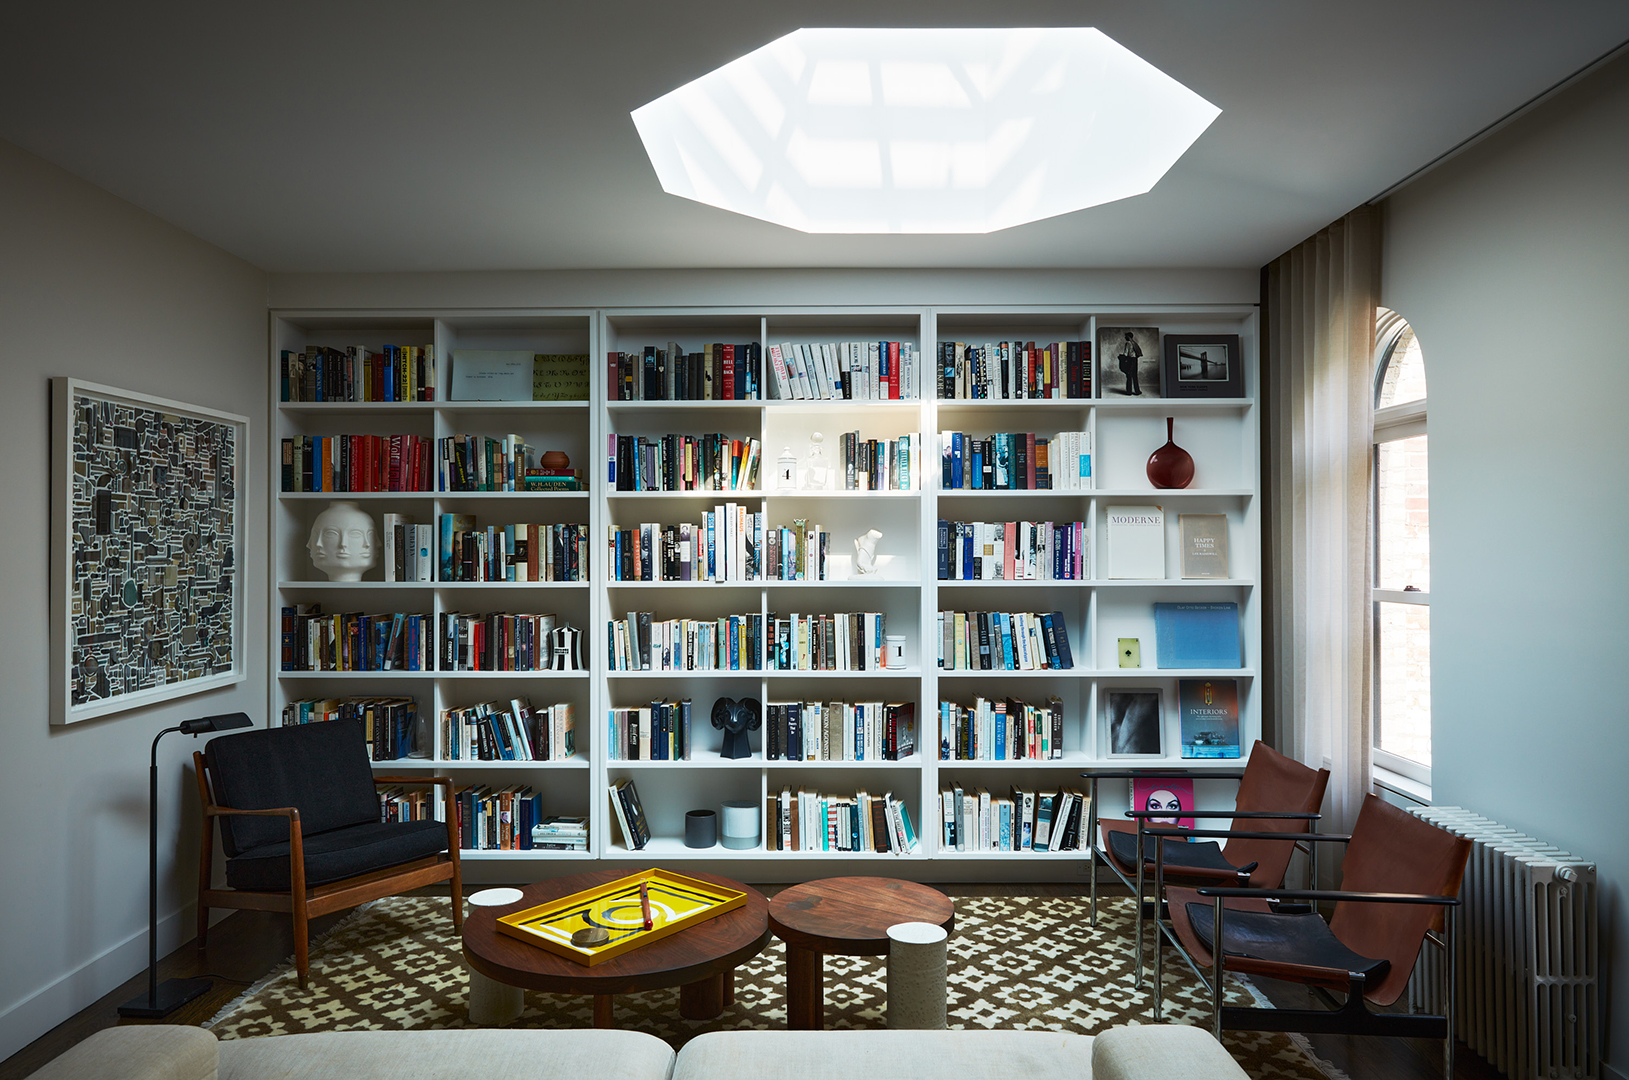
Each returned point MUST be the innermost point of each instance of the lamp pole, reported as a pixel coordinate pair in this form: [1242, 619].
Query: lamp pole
[161, 1000]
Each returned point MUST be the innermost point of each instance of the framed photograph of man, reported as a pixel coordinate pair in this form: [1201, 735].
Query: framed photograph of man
[1130, 360]
[1203, 366]
[1133, 722]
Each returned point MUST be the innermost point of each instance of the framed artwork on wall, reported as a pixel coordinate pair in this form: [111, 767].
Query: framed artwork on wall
[146, 549]
[1203, 366]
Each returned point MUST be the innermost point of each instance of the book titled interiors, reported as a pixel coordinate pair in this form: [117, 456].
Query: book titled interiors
[1210, 717]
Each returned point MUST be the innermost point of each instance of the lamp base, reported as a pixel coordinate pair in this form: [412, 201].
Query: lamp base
[172, 994]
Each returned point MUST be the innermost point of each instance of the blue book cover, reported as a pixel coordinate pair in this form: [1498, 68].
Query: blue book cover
[1197, 635]
[1210, 717]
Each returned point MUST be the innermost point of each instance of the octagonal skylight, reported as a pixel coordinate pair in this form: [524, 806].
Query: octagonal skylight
[922, 131]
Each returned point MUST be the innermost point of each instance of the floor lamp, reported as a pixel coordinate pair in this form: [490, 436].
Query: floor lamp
[161, 1000]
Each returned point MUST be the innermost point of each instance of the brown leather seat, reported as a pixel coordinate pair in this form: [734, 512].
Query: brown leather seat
[1271, 782]
[1391, 851]
[1400, 878]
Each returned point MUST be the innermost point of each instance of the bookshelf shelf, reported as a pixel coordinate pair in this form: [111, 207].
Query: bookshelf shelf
[1221, 433]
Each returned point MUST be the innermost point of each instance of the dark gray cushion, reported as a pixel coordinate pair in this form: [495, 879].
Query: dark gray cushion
[337, 854]
[1197, 854]
[321, 769]
[1285, 939]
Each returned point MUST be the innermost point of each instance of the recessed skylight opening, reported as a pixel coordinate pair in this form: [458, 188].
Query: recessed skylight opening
[922, 131]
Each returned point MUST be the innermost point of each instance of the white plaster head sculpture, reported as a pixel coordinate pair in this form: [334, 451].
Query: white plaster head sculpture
[344, 542]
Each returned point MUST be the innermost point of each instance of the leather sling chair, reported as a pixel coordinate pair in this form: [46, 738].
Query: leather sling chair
[1399, 882]
[302, 830]
[1277, 795]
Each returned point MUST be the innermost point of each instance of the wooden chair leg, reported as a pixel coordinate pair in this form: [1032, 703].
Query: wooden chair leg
[302, 944]
[457, 895]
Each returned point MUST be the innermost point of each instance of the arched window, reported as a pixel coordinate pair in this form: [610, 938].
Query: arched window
[1402, 553]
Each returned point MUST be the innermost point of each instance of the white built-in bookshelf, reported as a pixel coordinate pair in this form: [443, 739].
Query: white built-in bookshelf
[1221, 434]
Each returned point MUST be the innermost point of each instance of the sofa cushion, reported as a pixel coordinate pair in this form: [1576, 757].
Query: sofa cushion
[897, 1055]
[137, 1052]
[1160, 1052]
[338, 854]
[449, 1055]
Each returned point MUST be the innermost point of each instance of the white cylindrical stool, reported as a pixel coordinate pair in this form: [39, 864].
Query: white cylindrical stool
[492, 1003]
[916, 976]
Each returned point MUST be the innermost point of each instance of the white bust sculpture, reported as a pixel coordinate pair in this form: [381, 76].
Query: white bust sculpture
[344, 542]
[865, 551]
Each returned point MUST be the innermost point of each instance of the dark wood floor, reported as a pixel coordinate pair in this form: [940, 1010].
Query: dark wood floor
[248, 945]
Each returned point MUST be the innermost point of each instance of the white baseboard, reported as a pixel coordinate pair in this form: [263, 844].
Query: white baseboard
[1609, 1073]
[27, 1019]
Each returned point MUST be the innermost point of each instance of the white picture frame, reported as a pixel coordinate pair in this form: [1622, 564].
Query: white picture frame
[141, 489]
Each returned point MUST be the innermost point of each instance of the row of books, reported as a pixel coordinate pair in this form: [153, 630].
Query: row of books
[840, 730]
[1004, 641]
[1001, 729]
[629, 824]
[1024, 820]
[354, 641]
[407, 547]
[1015, 461]
[675, 462]
[841, 641]
[640, 642]
[858, 370]
[502, 641]
[798, 553]
[523, 552]
[718, 372]
[1015, 369]
[387, 722]
[356, 373]
[407, 804]
[509, 731]
[805, 820]
[1014, 550]
[723, 546]
[560, 833]
[659, 731]
[503, 819]
[484, 463]
[879, 464]
[356, 463]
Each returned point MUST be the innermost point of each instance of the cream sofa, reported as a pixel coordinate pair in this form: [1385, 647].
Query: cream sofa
[160, 1052]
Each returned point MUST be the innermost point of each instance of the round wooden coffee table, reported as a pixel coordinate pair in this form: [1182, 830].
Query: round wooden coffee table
[700, 960]
[847, 916]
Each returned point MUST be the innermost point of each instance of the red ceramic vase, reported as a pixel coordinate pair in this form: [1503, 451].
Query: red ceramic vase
[1170, 466]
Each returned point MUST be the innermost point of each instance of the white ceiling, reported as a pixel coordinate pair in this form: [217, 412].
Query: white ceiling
[494, 134]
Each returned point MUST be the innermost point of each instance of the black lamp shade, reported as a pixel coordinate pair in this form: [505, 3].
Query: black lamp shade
[223, 722]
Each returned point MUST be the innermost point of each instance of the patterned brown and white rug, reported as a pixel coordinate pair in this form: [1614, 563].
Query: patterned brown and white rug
[1015, 962]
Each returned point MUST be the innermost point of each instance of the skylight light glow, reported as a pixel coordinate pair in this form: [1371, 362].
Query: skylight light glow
[922, 131]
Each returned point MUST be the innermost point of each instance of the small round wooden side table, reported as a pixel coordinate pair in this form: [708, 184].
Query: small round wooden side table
[847, 916]
[700, 960]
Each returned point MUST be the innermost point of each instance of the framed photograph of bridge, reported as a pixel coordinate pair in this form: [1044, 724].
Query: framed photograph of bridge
[1203, 366]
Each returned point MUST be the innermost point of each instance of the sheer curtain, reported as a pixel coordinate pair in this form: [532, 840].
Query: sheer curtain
[1318, 312]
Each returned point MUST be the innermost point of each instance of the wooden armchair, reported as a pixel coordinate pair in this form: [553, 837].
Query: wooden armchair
[301, 828]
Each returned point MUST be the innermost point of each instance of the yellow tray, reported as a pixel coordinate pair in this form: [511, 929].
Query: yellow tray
[676, 902]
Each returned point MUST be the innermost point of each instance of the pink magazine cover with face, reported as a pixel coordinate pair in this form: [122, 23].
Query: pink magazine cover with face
[1175, 796]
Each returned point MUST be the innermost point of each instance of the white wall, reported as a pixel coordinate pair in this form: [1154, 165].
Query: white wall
[94, 288]
[1512, 263]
